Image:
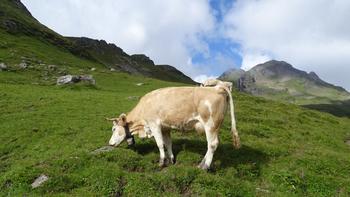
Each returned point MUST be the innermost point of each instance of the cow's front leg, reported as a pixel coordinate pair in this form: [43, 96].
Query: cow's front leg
[168, 145]
[157, 133]
[213, 142]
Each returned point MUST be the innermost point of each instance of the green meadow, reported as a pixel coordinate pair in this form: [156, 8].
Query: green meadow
[48, 129]
[287, 150]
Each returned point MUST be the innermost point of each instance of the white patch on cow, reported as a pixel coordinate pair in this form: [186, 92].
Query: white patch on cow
[148, 131]
[210, 123]
[208, 104]
[118, 135]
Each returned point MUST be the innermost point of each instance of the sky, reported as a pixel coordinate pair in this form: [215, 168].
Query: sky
[204, 38]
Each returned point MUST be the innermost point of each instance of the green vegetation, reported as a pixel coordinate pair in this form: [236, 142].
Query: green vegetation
[45, 129]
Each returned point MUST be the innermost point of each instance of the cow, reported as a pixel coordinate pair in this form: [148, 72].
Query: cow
[182, 108]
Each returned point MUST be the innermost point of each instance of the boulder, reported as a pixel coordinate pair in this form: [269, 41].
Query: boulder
[23, 65]
[70, 79]
[93, 69]
[52, 67]
[67, 79]
[88, 78]
[102, 150]
[39, 181]
[3, 67]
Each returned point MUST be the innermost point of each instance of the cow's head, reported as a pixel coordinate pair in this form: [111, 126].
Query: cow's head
[120, 131]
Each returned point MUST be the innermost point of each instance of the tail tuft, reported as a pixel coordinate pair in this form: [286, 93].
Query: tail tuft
[235, 140]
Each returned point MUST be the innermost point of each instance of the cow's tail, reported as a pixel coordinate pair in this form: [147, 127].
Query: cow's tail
[235, 138]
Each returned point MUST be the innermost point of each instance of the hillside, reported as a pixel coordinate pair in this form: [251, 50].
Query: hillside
[52, 130]
[114, 57]
[281, 81]
[17, 22]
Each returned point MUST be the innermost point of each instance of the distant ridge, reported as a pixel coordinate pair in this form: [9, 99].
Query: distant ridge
[280, 80]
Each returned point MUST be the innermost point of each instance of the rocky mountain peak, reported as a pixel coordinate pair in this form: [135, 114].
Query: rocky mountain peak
[141, 58]
[281, 80]
[22, 7]
[314, 76]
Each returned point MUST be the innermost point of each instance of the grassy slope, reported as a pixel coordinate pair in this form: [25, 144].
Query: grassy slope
[286, 150]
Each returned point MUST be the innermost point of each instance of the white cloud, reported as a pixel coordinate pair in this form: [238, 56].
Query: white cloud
[202, 78]
[167, 31]
[251, 59]
[312, 35]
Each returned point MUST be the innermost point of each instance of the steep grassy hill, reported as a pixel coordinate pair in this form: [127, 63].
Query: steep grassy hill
[16, 21]
[279, 80]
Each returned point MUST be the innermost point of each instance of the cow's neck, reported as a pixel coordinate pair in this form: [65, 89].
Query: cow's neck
[135, 124]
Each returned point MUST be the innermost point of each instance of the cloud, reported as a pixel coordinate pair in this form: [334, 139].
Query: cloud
[312, 35]
[251, 59]
[202, 78]
[167, 31]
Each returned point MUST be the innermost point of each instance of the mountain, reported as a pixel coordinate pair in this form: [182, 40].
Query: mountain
[16, 20]
[280, 80]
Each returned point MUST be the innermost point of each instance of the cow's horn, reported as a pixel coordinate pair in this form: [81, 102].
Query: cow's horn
[112, 119]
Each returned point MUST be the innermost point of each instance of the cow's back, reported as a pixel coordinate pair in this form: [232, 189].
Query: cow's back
[176, 105]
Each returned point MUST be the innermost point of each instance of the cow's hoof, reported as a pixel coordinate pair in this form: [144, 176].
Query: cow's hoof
[172, 161]
[161, 163]
[203, 166]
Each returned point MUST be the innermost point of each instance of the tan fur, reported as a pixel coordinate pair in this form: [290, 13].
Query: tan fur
[175, 106]
[216, 82]
[182, 108]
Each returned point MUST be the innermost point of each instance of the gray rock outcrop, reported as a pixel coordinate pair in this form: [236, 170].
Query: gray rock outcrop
[71, 79]
[3, 67]
[39, 181]
[23, 65]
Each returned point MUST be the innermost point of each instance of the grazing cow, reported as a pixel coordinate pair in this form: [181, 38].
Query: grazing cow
[182, 108]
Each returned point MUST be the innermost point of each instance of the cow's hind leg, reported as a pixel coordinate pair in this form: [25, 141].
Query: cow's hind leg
[213, 142]
[158, 136]
[168, 145]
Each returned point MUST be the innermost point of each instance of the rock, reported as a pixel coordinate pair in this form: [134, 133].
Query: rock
[133, 97]
[70, 79]
[88, 78]
[67, 79]
[140, 84]
[52, 67]
[262, 190]
[93, 69]
[23, 65]
[39, 181]
[102, 149]
[112, 69]
[3, 67]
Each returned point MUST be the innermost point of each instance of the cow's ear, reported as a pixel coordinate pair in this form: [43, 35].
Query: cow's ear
[122, 118]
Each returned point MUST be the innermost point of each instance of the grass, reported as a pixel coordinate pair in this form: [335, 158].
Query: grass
[46, 129]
